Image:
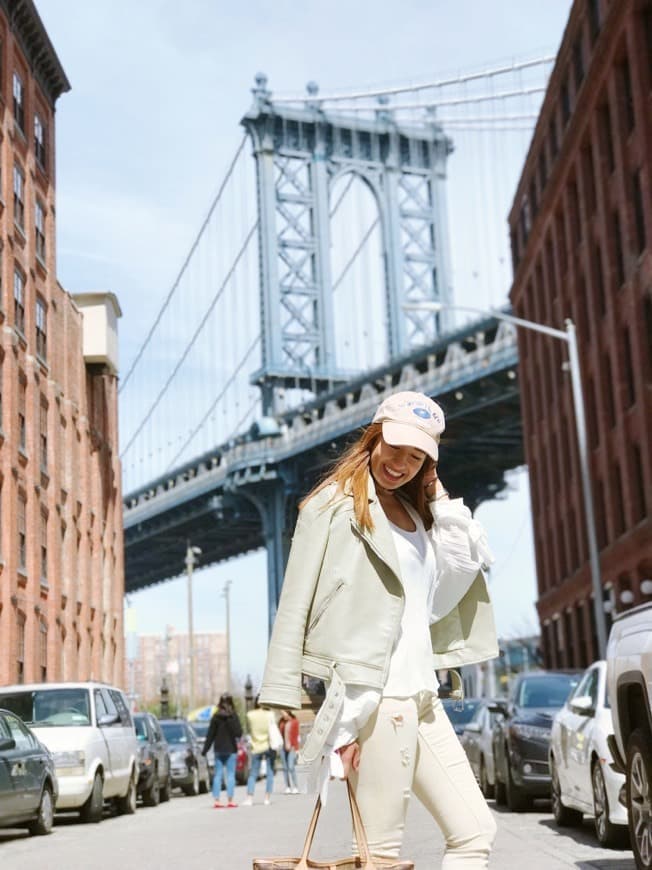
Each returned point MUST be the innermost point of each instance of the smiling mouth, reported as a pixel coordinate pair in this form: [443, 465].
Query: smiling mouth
[392, 475]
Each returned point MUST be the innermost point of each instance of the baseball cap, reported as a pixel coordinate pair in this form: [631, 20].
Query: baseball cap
[411, 420]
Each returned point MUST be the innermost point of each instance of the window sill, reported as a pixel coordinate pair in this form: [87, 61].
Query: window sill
[40, 263]
[23, 456]
[22, 576]
[43, 365]
[19, 234]
[45, 478]
[22, 341]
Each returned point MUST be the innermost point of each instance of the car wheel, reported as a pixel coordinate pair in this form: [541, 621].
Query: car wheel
[166, 789]
[42, 824]
[485, 785]
[517, 799]
[92, 809]
[126, 804]
[193, 789]
[152, 795]
[639, 798]
[564, 816]
[609, 835]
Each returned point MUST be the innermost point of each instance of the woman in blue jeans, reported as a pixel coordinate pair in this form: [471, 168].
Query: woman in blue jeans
[258, 725]
[223, 733]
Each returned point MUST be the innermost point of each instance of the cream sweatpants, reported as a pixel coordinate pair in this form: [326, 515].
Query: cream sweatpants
[409, 745]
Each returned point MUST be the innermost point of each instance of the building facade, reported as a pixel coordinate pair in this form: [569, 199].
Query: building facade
[167, 657]
[581, 233]
[61, 552]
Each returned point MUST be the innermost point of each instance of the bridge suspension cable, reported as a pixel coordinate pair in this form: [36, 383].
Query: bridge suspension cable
[124, 381]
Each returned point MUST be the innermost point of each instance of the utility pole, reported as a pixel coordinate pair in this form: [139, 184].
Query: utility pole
[191, 561]
[226, 594]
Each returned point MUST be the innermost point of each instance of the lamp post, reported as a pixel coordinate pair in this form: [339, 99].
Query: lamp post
[191, 561]
[225, 593]
[570, 338]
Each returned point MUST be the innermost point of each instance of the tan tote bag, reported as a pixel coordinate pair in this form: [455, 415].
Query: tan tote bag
[362, 861]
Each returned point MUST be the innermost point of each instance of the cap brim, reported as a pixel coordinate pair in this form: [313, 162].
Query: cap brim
[404, 435]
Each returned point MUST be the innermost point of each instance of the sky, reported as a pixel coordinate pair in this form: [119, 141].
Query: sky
[143, 139]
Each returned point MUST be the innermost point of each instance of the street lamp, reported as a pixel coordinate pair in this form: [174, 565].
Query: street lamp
[191, 560]
[570, 338]
[225, 593]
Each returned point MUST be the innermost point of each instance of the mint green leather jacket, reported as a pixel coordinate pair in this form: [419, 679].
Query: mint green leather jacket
[342, 598]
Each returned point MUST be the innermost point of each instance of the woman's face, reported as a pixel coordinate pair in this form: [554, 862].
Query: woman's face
[392, 467]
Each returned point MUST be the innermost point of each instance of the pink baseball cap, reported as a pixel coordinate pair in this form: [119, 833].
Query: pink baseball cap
[411, 420]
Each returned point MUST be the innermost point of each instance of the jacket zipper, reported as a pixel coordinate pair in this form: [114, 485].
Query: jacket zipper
[324, 606]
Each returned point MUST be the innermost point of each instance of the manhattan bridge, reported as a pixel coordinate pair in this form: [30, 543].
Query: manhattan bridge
[345, 231]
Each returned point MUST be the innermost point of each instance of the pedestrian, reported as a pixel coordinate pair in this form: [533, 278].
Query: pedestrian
[223, 733]
[258, 726]
[289, 728]
[384, 584]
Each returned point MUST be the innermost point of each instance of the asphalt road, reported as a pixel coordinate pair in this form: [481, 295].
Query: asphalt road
[188, 834]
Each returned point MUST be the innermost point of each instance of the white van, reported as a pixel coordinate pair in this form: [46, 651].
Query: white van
[89, 731]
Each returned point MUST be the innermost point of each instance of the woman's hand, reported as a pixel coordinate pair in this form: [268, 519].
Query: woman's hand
[350, 755]
[433, 486]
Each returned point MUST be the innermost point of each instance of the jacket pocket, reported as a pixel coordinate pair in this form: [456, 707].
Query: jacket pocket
[324, 605]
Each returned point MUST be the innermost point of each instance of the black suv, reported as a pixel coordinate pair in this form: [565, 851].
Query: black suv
[154, 771]
[521, 736]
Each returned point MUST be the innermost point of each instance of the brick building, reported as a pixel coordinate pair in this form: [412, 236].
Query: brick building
[581, 231]
[167, 656]
[61, 552]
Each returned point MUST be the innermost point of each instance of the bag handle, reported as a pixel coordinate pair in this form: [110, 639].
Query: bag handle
[358, 830]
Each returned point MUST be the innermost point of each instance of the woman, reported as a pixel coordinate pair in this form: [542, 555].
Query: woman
[384, 584]
[289, 727]
[222, 735]
[258, 726]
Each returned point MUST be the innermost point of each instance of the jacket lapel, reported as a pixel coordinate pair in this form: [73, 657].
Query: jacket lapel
[380, 538]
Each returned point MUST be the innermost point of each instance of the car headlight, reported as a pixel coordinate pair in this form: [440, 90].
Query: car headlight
[71, 762]
[530, 732]
[177, 755]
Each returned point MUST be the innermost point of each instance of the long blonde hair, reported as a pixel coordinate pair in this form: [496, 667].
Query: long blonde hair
[351, 474]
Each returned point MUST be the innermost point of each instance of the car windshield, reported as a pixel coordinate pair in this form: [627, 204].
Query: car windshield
[200, 728]
[550, 690]
[174, 732]
[141, 728]
[46, 708]
[460, 712]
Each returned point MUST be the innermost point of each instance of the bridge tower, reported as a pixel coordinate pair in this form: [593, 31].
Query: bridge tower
[300, 152]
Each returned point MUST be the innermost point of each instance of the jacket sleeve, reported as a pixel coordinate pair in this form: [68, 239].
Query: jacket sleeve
[281, 686]
[234, 726]
[461, 549]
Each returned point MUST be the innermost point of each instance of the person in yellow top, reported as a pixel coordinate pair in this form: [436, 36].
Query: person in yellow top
[258, 725]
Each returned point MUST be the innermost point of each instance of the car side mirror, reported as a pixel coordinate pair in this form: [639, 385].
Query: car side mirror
[108, 719]
[474, 727]
[582, 705]
[7, 743]
[498, 707]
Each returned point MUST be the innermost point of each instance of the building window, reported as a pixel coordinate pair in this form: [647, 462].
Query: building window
[40, 149]
[578, 62]
[599, 281]
[594, 19]
[43, 436]
[20, 648]
[574, 203]
[543, 171]
[618, 501]
[19, 197]
[22, 402]
[43, 651]
[618, 250]
[608, 392]
[39, 225]
[41, 328]
[589, 178]
[606, 137]
[565, 104]
[647, 337]
[19, 103]
[22, 532]
[626, 94]
[639, 211]
[552, 136]
[638, 484]
[19, 301]
[630, 384]
[44, 549]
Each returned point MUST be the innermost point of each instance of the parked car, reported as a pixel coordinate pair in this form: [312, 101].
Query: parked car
[629, 682]
[460, 712]
[476, 739]
[154, 769]
[189, 767]
[521, 736]
[582, 779]
[89, 731]
[28, 780]
[201, 730]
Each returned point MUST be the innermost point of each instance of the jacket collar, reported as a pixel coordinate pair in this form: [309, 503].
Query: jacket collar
[380, 538]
